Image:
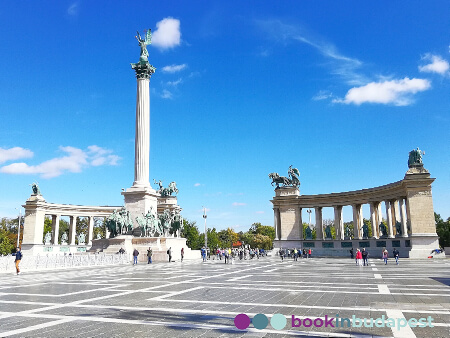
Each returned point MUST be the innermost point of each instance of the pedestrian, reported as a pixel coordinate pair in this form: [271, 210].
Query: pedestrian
[121, 251]
[385, 256]
[395, 253]
[281, 253]
[304, 253]
[135, 256]
[295, 254]
[365, 254]
[182, 254]
[225, 254]
[149, 255]
[309, 253]
[203, 254]
[18, 255]
[169, 252]
[358, 257]
[351, 253]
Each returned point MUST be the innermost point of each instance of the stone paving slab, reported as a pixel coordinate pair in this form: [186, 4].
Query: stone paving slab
[195, 299]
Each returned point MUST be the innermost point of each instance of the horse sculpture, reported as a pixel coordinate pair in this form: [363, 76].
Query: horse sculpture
[277, 179]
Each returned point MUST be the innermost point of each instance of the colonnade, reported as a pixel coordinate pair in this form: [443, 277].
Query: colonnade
[72, 228]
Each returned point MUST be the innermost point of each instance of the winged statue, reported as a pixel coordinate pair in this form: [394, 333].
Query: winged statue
[143, 44]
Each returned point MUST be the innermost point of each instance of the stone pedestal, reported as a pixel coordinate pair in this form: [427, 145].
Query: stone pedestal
[139, 201]
[34, 221]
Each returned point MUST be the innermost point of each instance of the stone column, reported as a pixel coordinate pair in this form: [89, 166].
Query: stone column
[357, 224]
[140, 198]
[404, 219]
[55, 229]
[379, 217]
[395, 216]
[319, 225]
[300, 220]
[142, 139]
[72, 229]
[373, 219]
[338, 222]
[389, 219]
[90, 230]
[276, 212]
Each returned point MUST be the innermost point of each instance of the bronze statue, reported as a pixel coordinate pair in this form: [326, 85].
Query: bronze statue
[143, 44]
[415, 157]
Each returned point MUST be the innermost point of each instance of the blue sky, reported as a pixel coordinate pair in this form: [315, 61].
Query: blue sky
[340, 90]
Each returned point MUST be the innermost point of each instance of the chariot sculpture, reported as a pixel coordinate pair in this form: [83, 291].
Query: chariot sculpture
[292, 180]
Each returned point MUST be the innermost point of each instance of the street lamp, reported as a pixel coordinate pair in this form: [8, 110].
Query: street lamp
[206, 232]
[18, 229]
[309, 211]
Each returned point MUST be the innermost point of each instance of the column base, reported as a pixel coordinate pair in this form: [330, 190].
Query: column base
[139, 201]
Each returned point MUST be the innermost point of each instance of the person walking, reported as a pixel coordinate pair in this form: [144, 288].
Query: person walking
[135, 256]
[169, 252]
[281, 252]
[395, 253]
[295, 254]
[385, 256]
[203, 254]
[358, 257]
[18, 255]
[309, 253]
[182, 254]
[365, 254]
[351, 253]
[149, 255]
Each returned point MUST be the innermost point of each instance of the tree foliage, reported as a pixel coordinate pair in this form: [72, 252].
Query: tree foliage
[192, 235]
[442, 230]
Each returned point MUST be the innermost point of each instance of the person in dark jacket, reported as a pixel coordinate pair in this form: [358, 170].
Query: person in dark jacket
[135, 256]
[395, 253]
[365, 254]
[18, 255]
[169, 252]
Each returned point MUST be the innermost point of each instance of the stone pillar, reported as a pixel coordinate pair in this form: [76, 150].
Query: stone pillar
[300, 220]
[140, 198]
[389, 219]
[276, 216]
[338, 222]
[33, 228]
[72, 229]
[357, 223]
[142, 139]
[90, 230]
[404, 220]
[373, 219]
[319, 225]
[379, 217]
[55, 229]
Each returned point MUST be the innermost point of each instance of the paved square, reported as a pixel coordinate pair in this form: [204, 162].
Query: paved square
[195, 299]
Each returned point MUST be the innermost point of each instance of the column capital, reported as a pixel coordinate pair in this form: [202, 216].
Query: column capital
[144, 70]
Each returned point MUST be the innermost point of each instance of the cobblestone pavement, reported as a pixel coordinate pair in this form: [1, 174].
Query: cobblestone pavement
[195, 299]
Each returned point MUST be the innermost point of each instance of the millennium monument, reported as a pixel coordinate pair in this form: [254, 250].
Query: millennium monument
[149, 217]
[408, 223]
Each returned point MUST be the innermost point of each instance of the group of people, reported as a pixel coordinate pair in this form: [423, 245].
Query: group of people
[228, 254]
[294, 253]
[362, 256]
[150, 255]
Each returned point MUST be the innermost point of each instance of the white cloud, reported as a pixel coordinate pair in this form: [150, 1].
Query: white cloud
[75, 160]
[322, 95]
[197, 184]
[396, 92]
[174, 83]
[174, 68]
[437, 65]
[166, 94]
[167, 34]
[260, 212]
[14, 154]
[237, 204]
[73, 9]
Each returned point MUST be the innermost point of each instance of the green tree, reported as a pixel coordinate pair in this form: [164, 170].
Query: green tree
[192, 235]
[266, 230]
[63, 228]
[262, 242]
[442, 230]
[82, 227]
[6, 245]
[100, 229]
[350, 227]
[47, 227]
[227, 238]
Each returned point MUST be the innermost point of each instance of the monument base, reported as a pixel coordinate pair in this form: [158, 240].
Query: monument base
[139, 201]
[159, 246]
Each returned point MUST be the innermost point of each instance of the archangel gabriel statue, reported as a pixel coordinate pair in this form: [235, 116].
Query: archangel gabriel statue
[143, 44]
